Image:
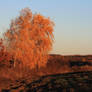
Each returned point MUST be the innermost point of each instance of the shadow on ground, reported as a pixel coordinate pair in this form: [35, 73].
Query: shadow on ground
[70, 82]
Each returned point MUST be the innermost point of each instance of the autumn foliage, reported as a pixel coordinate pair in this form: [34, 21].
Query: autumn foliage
[4, 55]
[29, 39]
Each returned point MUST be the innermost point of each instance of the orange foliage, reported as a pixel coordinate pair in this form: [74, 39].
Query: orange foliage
[29, 39]
[4, 56]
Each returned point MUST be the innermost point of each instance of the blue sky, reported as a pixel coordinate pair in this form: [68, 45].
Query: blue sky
[73, 21]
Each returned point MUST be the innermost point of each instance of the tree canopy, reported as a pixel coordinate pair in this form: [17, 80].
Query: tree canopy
[29, 38]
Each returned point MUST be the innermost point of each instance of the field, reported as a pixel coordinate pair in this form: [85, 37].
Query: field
[62, 74]
[70, 82]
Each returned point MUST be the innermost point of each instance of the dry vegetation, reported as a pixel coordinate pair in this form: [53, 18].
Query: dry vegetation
[56, 64]
[25, 47]
[29, 39]
[72, 63]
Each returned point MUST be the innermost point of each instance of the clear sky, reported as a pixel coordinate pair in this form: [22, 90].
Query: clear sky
[73, 21]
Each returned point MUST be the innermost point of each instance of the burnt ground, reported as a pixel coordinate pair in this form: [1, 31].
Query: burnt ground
[69, 82]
